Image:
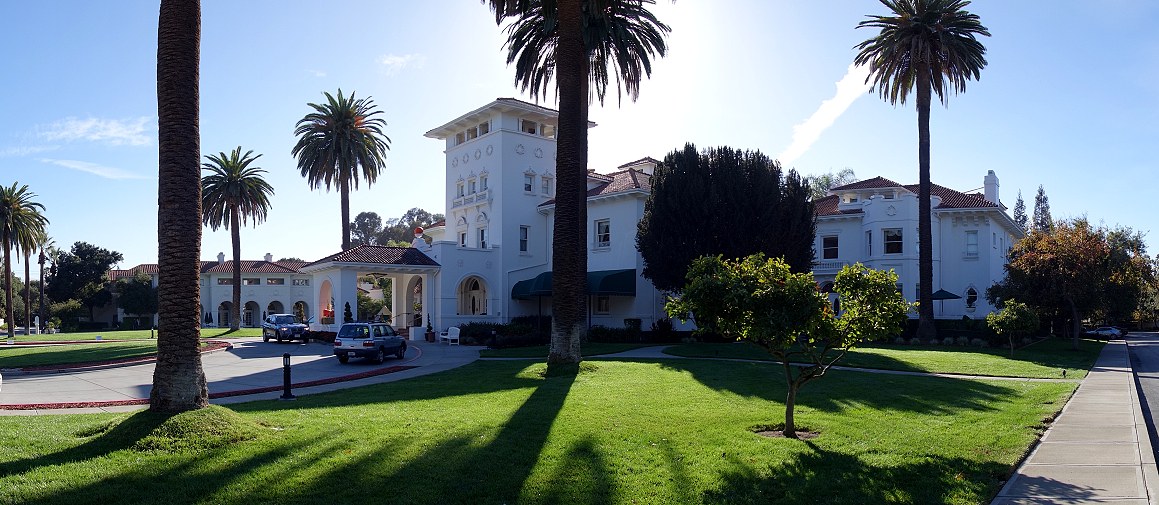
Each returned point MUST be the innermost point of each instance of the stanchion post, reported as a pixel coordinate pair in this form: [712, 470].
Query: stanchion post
[286, 395]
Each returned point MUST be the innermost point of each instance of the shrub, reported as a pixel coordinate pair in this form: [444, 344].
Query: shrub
[935, 341]
[977, 342]
[915, 341]
[948, 341]
[899, 340]
[503, 341]
[479, 333]
[612, 335]
[963, 341]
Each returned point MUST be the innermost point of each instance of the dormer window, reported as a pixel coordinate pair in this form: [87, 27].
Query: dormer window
[549, 131]
[460, 138]
[850, 199]
[888, 195]
[484, 128]
[526, 126]
[472, 133]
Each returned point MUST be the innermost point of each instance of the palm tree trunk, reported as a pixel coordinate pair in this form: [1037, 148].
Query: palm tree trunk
[40, 306]
[178, 379]
[926, 328]
[235, 234]
[344, 192]
[11, 313]
[569, 245]
[27, 295]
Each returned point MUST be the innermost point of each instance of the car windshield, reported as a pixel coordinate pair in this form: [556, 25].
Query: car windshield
[354, 331]
[284, 320]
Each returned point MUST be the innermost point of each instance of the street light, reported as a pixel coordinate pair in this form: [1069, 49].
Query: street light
[286, 395]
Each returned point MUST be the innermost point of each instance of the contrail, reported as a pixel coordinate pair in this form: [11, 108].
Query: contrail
[849, 88]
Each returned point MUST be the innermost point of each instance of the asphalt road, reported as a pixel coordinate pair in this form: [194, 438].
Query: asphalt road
[1144, 348]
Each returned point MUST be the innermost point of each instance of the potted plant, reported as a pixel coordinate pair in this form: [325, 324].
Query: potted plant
[430, 330]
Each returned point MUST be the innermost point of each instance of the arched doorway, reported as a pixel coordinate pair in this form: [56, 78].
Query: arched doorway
[223, 312]
[326, 302]
[473, 296]
[275, 307]
[249, 314]
[414, 301]
[302, 310]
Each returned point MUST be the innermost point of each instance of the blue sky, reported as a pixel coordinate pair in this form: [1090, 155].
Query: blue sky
[1069, 100]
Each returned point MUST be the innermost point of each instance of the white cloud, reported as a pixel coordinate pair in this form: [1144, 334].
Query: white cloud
[316, 73]
[393, 62]
[25, 150]
[93, 168]
[110, 131]
[849, 88]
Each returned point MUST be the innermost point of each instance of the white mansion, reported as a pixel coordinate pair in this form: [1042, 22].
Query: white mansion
[491, 259]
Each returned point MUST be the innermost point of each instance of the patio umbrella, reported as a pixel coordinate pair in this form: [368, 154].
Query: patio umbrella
[942, 295]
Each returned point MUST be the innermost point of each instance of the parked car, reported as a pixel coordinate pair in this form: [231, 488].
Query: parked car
[1107, 332]
[284, 327]
[368, 340]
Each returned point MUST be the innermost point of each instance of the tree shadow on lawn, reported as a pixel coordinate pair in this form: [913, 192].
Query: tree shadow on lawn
[837, 389]
[822, 476]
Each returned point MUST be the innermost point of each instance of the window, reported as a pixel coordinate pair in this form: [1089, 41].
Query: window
[251, 282]
[275, 281]
[482, 238]
[459, 190]
[460, 138]
[524, 231]
[972, 244]
[471, 134]
[900, 288]
[463, 239]
[526, 126]
[603, 304]
[484, 128]
[603, 233]
[301, 282]
[545, 184]
[892, 240]
[889, 195]
[869, 243]
[471, 187]
[483, 183]
[528, 182]
[971, 298]
[829, 248]
[224, 282]
[548, 131]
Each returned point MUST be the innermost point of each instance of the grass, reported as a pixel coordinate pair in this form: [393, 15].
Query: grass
[499, 432]
[1045, 359]
[540, 351]
[132, 335]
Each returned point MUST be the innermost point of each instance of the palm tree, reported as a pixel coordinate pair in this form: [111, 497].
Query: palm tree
[46, 246]
[178, 379]
[576, 42]
[20, 219]
[926, 45]
[231, 194]
[335, 141]
[27, 242]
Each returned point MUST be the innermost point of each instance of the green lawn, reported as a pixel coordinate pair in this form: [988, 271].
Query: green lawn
[540, 351]
[132, 335]
[1044, 359]
[23, 356]
[496, 432]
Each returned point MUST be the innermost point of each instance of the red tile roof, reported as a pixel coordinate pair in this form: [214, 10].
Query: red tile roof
[828, 207]
[247, 267]
[952, 199]
[619, 182]
[876, 182]
[380, 254]
[641, 161]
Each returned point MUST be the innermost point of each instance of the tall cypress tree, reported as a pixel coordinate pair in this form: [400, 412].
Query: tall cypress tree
[1042, 219]
[1020, 213]
[722, 201]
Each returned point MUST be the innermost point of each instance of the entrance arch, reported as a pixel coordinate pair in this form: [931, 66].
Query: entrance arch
[275, 307]
[223, 312]
[414, 300]
[326, 301]
[302, 310]
[249, 314]
[472, 296]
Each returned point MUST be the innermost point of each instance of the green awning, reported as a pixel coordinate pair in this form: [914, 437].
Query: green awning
[602, 282]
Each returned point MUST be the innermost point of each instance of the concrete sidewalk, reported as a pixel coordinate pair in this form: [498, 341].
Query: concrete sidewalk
[249, 365]
[1098, 450]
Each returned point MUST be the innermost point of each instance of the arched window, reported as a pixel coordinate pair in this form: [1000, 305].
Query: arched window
[473, 297]
[827, 287]
[971, 298]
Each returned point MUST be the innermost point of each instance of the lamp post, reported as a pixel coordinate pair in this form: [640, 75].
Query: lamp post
[41, 321]
[286, 395]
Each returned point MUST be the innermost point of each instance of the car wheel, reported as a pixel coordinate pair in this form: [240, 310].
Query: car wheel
[342, 358]
[380, 356]
[401, 351]
[279, 339]
[265, 337]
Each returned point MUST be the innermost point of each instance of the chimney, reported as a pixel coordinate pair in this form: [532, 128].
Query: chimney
[269, 258]
[221, 257]
[990, 183]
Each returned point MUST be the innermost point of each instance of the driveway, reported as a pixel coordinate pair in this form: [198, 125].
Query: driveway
[250, 365]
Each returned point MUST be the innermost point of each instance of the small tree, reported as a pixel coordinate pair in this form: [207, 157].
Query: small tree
[138, 296]
[760, 300]
[1014, 320]
[347, 316]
